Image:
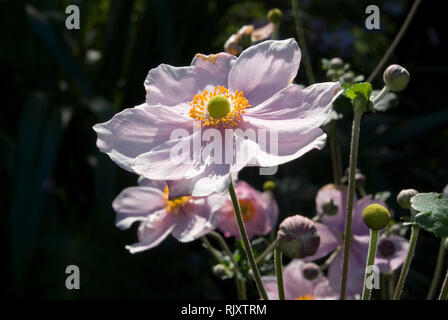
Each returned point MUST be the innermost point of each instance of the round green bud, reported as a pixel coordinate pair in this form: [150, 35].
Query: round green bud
[376, 216]
[275, 15]
[336, 63]
[218, 107]
[396, 78]
[404, 198]
[269, 185]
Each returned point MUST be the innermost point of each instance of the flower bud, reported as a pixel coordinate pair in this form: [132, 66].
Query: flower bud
[297, 237]
[269, 185]
[336, 63]
[221, 271]
[376, 216]
[396, 77]
[310, 271]
[275, 15]
[330, 208]
[404, 198]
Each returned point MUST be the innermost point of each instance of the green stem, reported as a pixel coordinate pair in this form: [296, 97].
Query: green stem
[366, 292]
[395, 41]
[302, 42]
[211, 249]
[269, 249]
[383, 287]
[351, 193]
[275, 32]
[407, 263]
[279, 273]
[224, 246]
[438, 271]
[444, 292]
[246, 243]
[380, 95]
[241, 288]
[335, 154]
[391, 284]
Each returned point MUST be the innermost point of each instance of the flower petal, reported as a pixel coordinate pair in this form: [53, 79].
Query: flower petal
[135, 131]
[264, 69]
[328, 242]
[393, 262]
[294, 282]
[170, 85]
[153, 231]
[338, 194]
[135, 204]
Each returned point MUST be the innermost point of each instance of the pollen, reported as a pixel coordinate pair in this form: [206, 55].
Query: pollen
[218, 107]
[175, 204]
[306, 297]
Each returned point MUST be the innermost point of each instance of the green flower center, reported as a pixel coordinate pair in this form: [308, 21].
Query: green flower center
[218, 107]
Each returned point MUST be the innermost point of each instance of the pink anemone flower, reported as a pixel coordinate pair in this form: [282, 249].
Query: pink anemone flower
[186, 218]
[259, 211]
[204, 122]
[297, 286]
[391, 251]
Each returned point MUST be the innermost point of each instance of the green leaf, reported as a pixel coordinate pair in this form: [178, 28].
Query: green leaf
[388, 102]
[432, 211]
[363, 89]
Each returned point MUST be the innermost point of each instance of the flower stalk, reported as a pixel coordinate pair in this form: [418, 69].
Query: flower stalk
[438, 271]
[444, 292]
[351, 192]
[279, 273]
[366, 292]
[335, 154]
[246, 243]
[407, 263]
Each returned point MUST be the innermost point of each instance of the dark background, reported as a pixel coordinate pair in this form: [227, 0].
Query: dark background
[57, 189]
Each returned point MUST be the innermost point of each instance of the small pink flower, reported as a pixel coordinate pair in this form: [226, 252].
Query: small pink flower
[259, 210]
[297, 286]
[250, 99]
[186, 218]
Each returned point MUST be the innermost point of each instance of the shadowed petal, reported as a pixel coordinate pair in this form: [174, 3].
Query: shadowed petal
[391, 253]
[170, 85]
[328, 242]
[338, 194]
[135, 131]
[135, 204]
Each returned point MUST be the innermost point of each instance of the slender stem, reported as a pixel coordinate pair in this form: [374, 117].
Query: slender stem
[335, 154]
[210, 248]
[396, 40]
[246, 243]
[366, 292]
[224, 246]
[383, 286]
[279, 273]
[241, 288]
[269, 249]
[275, 32]
[351, 193]
[330, 259]
[407, 263]
[444, 291]
[302, 42]
[380, 95]
[438, 271]
[391, 284]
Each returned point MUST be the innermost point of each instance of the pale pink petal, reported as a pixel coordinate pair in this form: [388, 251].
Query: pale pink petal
[135, 204]
[339, 197]
[158, 184]
[262, 33]
[328, 242]
[170, 85]
[264, 69]
[153, 231]
[135, 131]
[270, 285]
[391, 253]
[294, 282]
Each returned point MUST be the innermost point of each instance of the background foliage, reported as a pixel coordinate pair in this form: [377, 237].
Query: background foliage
[57, 189]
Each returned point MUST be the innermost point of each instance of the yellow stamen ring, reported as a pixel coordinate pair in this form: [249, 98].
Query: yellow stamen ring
[218, 107]
[173, 205]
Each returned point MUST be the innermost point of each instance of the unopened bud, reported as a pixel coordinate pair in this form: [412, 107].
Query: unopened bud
[404, 198]
[275, 15]
[396, 78]
[336, 63]
[269, 185]
[310, 271]
[376, 216]
[297, 237]
[360, 180]
[221, 271]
